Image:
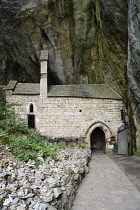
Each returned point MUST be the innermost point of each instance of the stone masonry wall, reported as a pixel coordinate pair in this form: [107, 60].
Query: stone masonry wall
[59, 117]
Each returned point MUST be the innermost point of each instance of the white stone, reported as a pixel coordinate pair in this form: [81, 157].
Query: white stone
[21, 207]
[21, 193]
[75, 169]
[65, 179]
[47, 198]
[76, 176]
[10, 198]
[40, 206]
[110, 146]
[15, 201]
[57, 191]
[6, 202]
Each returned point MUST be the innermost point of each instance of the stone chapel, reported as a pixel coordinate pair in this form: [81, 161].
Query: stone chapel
[93, 113]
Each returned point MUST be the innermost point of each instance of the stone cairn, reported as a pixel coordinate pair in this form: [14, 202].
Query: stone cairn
[51, 186]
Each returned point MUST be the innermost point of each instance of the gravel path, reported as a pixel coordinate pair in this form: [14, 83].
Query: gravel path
[106, 187]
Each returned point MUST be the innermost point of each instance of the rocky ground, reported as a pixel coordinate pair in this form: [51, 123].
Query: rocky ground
[50, 186]
[131, 167]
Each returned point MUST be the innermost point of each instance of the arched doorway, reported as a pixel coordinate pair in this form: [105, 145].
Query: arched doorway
[98, 139]
[102, 130]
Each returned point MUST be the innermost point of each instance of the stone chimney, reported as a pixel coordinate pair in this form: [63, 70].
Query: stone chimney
[44, 73]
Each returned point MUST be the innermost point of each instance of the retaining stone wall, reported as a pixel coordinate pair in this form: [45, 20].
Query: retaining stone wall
[50, 187]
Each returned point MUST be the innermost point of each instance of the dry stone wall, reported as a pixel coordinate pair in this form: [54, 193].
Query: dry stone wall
[52, 186]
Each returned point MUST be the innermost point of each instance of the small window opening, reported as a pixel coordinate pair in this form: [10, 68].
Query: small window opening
[31, 121]
[122, 115]
[31, 108]
[80, 110]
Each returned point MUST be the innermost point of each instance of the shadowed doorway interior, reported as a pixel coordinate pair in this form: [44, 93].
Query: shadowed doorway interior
[98, 139]
[31, 121]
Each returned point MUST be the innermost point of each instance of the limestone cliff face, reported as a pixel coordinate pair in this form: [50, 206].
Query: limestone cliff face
[133, 72]
[86, 39]
[87, 42]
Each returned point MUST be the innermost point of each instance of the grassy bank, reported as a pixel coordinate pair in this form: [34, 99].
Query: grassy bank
[24, 143]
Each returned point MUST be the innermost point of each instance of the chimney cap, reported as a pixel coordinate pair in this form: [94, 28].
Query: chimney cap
[44, 55]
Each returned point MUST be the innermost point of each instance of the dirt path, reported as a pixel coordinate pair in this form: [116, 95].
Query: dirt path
[106, 187]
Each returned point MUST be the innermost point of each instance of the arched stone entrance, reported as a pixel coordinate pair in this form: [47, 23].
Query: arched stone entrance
[98, 139]
[102, 131]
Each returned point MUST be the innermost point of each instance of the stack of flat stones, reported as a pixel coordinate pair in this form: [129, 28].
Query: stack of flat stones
[51, 186]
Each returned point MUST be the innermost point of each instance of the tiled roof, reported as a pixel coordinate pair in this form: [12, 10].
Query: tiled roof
[27, 89]
[11, 85]
[84, 91]
[102, 91]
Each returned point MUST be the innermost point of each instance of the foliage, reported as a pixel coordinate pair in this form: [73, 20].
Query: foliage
[112, 151]
[1, 200]
[25, 143]
[137, 152]
[5, 112]
[83, 146]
